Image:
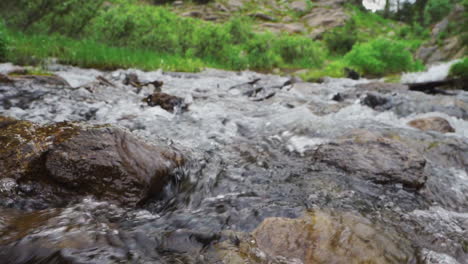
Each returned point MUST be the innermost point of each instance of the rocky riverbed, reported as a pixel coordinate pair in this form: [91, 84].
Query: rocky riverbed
[229, 167]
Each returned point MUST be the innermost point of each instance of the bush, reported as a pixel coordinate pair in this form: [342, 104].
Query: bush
[298, 50]
[460, 69]
[381, 56]
[260, 53]
[435, 10]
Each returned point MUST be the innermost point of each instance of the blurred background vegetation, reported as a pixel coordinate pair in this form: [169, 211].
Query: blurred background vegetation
[150, 35]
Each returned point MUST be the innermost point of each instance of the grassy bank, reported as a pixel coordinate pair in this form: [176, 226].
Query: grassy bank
[124, 34]
[127, 27]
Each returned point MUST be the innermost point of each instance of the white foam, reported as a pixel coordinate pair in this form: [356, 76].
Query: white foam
[434, 73]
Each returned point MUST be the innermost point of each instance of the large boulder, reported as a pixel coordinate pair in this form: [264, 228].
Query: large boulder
[379, 159]
[70, 158]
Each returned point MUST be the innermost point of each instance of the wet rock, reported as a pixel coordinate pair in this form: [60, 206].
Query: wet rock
[337, 97]
[69, 158]
[321, 237]
[372, 157]
[376, 101]
[103, 81]
[351, 74]
[111, 164]
[438, 124]
[132, 79]
[166, 101]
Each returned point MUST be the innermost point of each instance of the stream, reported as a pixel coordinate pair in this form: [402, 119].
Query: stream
[340, 152]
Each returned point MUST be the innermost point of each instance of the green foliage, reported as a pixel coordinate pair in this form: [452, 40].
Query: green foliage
[68, 17]
[260, 53]
[342, 39]
[3, 42]
[298, 50]
[464, 24]
[435, 10]
[460, 69]
[381, 56]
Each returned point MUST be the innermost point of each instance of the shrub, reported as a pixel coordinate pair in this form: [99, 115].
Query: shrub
[298, 50]
[460, 69]
[381, 56]
[260, 53]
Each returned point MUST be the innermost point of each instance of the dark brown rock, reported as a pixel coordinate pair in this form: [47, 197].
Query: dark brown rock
[105, 162]
[379, 159]
[165, 101]
[438, 124]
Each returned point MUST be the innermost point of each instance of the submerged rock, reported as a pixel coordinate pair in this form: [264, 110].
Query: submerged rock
[438, 124]
[69, 158]
[376, 101]
[321, 237]
[166, 101]
[379, 159]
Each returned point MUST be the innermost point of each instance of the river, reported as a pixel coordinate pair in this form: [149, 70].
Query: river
[286, 150]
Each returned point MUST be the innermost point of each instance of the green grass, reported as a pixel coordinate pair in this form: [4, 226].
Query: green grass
[32, 49]
[334, 68]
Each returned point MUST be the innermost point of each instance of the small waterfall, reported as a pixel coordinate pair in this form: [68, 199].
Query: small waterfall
[434, 73]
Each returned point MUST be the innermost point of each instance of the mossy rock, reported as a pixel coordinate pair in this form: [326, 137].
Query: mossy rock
[76, 160]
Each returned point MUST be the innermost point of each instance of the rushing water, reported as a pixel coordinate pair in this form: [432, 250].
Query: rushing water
[250, 159]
